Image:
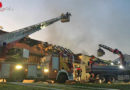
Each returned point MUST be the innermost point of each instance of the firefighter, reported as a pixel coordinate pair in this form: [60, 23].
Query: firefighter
[92, 77]
[91, 62]
[79, 73]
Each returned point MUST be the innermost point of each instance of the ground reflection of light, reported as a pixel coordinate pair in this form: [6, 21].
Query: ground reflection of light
[28, 81]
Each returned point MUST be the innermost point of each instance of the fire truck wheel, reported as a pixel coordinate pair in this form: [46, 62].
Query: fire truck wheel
[62, 78]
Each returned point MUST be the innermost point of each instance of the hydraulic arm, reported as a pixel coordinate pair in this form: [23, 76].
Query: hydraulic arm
[100, 52]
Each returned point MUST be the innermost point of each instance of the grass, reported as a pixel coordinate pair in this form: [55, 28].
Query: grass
[4, 86]
[114, 86]
[17, 87]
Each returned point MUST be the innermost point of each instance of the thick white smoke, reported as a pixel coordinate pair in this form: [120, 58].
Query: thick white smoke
[92, 23]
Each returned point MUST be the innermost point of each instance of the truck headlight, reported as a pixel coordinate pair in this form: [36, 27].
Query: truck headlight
[46, 70]
[18, 67]
[121, 67]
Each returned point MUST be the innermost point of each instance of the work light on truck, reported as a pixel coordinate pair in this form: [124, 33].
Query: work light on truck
[18, 67]
[46, 70]
[121, 67]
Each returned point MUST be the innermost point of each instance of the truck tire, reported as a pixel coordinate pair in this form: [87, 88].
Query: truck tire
[62, 78]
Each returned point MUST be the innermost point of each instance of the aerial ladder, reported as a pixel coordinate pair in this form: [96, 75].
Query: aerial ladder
[100, 52]
[21, 33]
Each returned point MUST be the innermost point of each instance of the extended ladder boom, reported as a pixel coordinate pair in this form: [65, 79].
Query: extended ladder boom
[21, 33]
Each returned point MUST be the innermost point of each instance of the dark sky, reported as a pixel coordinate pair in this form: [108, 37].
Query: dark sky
[93, 22]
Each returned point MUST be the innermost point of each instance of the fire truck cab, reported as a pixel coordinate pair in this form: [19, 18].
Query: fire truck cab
[58, 67]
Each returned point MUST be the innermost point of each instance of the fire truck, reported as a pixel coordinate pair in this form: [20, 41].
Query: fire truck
[109, 72]
[28, 70]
